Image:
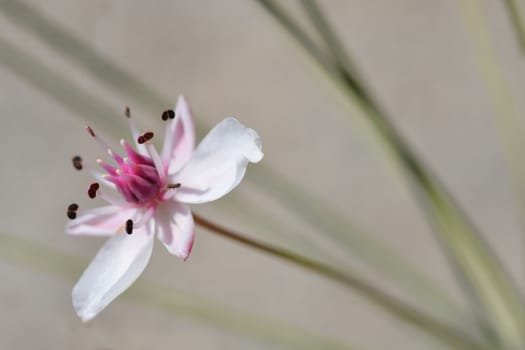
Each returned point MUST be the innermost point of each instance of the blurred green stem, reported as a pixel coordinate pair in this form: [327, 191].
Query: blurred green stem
[442, 332]
[478, 267]
[508, 114]
[336, 48]
[515, 9]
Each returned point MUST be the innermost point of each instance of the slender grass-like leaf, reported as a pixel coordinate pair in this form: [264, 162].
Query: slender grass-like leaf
[330, 39]
[479, 268]
[172, 301]
[343, 64]
[516, 10]
[508, 113]
[372, 252]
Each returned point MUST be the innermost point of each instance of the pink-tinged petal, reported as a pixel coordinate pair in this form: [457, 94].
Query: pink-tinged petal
[179, 141]
[103, 221]
[219, 162]
[175, 228]
[116, 266]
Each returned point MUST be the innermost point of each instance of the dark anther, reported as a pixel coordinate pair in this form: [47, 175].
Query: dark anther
[172, 186]
[148, 136]
[168, 114]
[127, 112]
[129, 226]
[72, 207]
[72, 211]
[91, 132]
[93, 188]
[77, 162]
[145, 137]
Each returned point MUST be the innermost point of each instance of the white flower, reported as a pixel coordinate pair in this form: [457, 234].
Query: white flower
[155, 190]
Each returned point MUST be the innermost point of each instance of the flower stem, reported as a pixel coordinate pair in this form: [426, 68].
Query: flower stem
[449, 336]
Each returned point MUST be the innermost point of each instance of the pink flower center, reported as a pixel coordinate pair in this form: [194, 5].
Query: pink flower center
[140, 177]
[136, 176]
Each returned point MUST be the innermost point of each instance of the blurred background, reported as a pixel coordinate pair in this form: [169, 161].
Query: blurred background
[230, 58]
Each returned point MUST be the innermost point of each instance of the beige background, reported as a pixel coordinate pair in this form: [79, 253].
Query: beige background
[230, 58]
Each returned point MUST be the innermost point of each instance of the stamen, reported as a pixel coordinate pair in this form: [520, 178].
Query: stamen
[93, 188]
[156, 160]
[77, 162]
[145, 137]
[173, 186]
[127, 112]
[104, 145]
[72, 207]
[103, 178]
[134, 131]
[90, 131]
[167, 148]
[168, 114]
[129, 226]
[72, 211]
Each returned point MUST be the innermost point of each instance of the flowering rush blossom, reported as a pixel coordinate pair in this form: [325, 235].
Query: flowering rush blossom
[153, 192]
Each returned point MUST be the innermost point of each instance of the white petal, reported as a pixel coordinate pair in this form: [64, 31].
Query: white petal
[116, 266]
[219, 162]
[179, 141]
[175, 228]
